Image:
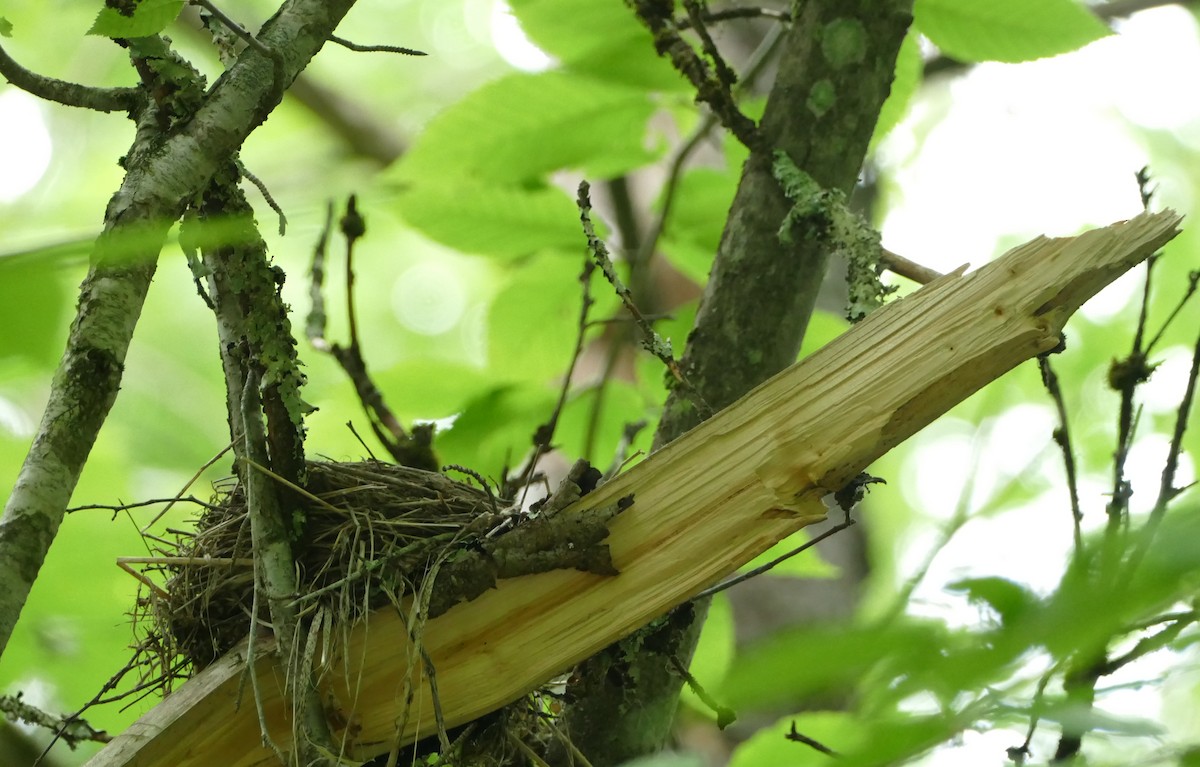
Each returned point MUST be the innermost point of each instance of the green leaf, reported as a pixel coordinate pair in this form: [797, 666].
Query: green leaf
[32, 299]
[525, 126]
[796, 663]
[426, 389]
[698, 213]
[601, 39]
[141, 19]
[534, 320]
[491, 220]
[5, 27]
[621, 405]
[1007, 30]
[495, 429]
[1010, 600]
[909, 71]
[835, 730]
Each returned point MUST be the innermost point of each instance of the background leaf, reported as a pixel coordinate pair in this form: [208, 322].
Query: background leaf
[601, 39]
[524, 126]
[491, 219]
[1007, 30]
[149, 18]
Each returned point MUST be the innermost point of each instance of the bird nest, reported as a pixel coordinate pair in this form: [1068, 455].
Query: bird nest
[367, 534]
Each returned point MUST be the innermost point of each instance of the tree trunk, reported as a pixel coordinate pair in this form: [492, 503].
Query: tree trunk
[835, 72]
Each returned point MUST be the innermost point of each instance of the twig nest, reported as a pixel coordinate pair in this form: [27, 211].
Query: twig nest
[366, 535]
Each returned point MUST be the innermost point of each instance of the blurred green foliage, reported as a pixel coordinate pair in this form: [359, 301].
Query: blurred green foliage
[485, 191]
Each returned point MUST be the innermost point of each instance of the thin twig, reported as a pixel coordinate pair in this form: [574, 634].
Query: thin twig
[413, 450]
[375, 48]
[725, 715]
[754, 68]
[1062, 437]
[735, 580]
[695, 13]
[898, 264]
[651, 340]
[543, 436]
[799, 737]
[1018, 753]
[278, 86]
[68, 93]
[1189, 291]
[119, 507]
[184, 489]
[710, 89]
[266, 193]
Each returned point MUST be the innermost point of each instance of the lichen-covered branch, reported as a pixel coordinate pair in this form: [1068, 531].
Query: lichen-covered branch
[153, 194]
[834, 74]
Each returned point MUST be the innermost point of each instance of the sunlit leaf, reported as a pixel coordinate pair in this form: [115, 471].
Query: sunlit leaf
[534, 320]
[495, 429]
[136, 18]
[492, 219]
[523, 126]
[602, 39]
[1010, 600]
[1007, 30]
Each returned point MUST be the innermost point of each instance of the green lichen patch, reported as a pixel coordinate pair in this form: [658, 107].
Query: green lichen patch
[844, 42]
[823, 213]
[821, 97]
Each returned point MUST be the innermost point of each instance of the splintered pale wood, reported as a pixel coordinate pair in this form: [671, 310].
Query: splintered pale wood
[705, 504]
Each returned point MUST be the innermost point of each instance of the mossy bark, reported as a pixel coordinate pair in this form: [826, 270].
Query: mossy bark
[835, 72]
[164, 171]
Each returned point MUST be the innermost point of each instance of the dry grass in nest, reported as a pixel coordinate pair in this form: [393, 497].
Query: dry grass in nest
[370, 531]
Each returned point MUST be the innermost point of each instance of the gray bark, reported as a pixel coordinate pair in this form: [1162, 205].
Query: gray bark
[164, 172]
[821, 111]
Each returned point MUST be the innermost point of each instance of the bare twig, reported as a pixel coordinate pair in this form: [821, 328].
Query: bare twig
[266, 193]
[68, 93]
[278, 84]
[799, 737]
[725, 715]
[710, 89]
[695, 13]
[735, 580]
[407, 449]
[1062, 437]
[754, 68]
[651, 340]
[898, 264]
[375, 48]
[70, 729]
[543, 436]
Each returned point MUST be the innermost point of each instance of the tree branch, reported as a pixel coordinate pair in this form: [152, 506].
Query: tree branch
[821, 111]
[150, 199]
[68, 93]
[705, 505]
